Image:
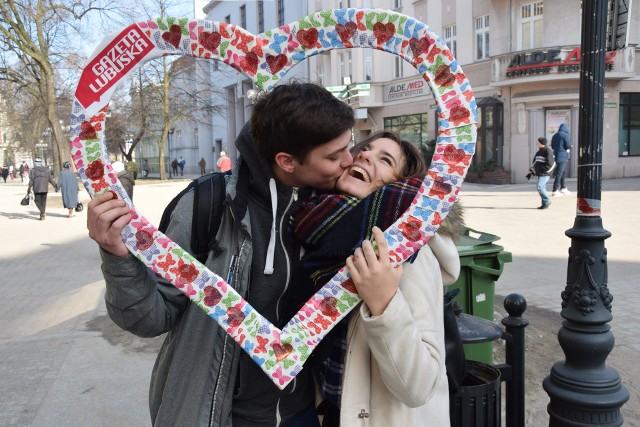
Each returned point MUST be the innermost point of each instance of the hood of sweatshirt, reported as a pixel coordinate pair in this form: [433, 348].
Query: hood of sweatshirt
[563, 128]
[254, 185]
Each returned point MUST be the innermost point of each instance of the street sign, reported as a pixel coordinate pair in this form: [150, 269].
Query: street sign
[42, 145]
[363, 86]
[333, 89]
[618, 16]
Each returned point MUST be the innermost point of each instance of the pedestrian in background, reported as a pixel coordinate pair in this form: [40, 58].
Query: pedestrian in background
[224, 163]
[5, 173]
[203, 166]
[68, 182]
[39, 178]
[11, 170]
[181, 166]
[145, 168]
[542, 167]
[174, 167]
[126, 179]
[24, 173]
[561, 144]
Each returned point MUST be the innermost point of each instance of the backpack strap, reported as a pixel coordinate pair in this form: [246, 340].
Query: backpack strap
[208, 198]
[207, 213]
[166, 215]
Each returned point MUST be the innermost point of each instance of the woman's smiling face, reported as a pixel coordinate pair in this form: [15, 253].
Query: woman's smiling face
[379, 163]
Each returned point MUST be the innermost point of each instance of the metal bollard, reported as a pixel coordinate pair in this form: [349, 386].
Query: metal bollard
[515, 305]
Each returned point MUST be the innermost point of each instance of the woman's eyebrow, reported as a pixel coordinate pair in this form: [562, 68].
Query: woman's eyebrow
[388, 154]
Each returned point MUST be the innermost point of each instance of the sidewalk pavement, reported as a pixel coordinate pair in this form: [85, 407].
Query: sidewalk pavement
[64, 363]
[536, 238]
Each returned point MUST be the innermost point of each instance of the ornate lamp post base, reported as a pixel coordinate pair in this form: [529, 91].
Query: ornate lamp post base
[583, 390]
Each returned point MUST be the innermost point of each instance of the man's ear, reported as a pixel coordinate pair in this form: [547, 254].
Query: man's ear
[285, 162]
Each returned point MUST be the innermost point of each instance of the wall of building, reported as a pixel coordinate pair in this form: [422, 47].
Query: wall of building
[226, 125]
[528, 100]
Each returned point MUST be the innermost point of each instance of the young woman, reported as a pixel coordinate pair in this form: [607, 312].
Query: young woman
[384, 364]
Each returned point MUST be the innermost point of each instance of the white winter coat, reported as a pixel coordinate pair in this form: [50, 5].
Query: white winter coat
[395, 372]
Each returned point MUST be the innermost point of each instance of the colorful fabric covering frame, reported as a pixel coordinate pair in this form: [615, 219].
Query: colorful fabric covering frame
[265, 59]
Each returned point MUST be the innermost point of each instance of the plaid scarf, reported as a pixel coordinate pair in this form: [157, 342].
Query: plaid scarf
[331, 227]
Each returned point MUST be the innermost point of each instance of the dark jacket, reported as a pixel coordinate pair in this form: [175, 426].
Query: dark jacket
[201, 375]
[543, 162]
[39, 179]
[127, 181]
[561, 143]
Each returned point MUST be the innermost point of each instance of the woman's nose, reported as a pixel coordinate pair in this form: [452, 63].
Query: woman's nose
[365, 156]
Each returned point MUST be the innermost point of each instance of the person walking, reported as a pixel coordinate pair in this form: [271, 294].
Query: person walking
[203, 166]
[68, 182]
[542, 167]
[126, 179]
[174, 167]
[5, 173]
[145, 168]
[224, 163]
[39, 178]
[561, 145]
[24, 173]
[181, 164]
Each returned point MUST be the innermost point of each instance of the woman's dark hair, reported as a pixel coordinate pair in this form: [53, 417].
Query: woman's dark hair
[414, 163]
[295, 118]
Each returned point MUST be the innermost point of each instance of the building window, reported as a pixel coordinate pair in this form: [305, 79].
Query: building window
[280, 13]
[629, 126]
[450, 39]
[397, 4]
[368, 65]
[482, 37]
[346, 67]
[243, 16]
[260, 16]
[320, 75]
[531, 25]
[196, 142]
[227, 19]
[490, 141]
[397, 73]
[412, 128]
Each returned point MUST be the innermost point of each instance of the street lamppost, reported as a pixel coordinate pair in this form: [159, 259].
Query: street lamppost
[583, 390]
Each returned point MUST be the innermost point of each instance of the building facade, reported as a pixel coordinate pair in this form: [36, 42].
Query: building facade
[233, 105]
[522, 58]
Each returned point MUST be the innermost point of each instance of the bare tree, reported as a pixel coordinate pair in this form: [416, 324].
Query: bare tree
[39, 55]
[168, 93]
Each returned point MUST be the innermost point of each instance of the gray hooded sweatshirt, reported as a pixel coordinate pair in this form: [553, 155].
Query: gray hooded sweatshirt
[201, 376]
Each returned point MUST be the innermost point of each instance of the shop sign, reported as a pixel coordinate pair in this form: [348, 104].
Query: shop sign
[410, 89]
[541, 62]
[610, 105]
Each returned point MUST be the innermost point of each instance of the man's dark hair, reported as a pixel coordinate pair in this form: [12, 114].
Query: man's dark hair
[295, 118]
[542, 140]
[414, 163]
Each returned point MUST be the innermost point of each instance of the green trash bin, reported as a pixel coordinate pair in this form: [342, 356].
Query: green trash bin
[481, 264]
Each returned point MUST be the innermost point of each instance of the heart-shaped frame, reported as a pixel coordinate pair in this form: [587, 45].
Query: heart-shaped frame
[265, 59]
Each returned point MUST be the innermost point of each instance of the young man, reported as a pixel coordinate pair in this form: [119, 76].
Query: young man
[201, 377]
[561, 145]
[542, 167]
